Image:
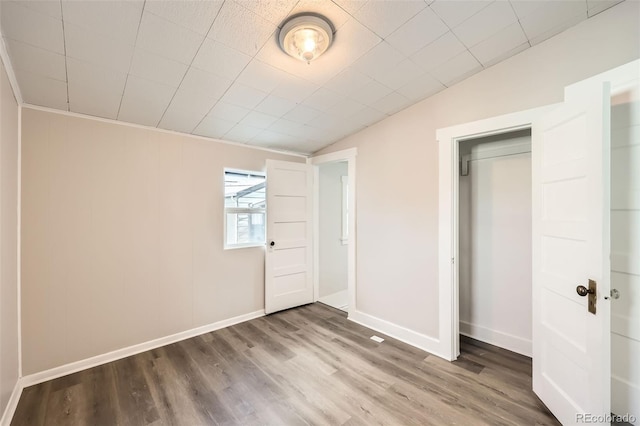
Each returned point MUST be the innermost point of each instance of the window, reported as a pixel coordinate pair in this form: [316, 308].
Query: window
[244, 208]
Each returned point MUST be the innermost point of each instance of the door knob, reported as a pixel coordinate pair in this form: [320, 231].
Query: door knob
[583, 291]
[591, 291]
[272, 243]
[615, 294]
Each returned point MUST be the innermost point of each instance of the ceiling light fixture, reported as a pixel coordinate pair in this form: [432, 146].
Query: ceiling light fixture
[306, 36]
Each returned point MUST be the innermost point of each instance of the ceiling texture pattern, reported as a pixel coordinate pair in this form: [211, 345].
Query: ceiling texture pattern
[215, 69]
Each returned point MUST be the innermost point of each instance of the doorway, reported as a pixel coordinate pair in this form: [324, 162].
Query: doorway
[495, 240]
[333, 238]
[449, 141]
[335, 229]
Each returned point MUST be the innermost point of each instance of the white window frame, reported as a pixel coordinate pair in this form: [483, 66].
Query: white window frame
[237, 210]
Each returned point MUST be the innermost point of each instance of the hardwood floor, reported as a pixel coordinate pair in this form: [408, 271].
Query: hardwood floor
[307, 365]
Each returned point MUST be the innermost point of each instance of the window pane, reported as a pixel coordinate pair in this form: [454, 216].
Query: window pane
[246, 191]
[245, 228]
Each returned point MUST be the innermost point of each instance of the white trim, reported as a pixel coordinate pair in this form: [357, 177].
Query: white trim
[621, 78]
[348, 155]
[262, 173]
[413, 338]
[352, 281]
[316, 232]
[73, 367]
[241, 246]
[248, 210]
[344, 208]
[448, 147]
[4, 56]
[496, 338]
[10, 409]
[19, 243]
[18, 387]
[333, 157]
[171, 132]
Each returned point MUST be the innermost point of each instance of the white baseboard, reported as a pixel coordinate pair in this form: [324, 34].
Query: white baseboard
[496, 338]
[413, 338]
[74, 367]
[10, 409]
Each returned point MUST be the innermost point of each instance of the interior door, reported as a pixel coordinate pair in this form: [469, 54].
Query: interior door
[289, 257]
[570, 177]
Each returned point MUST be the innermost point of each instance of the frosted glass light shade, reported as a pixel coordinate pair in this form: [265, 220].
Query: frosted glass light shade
[306, 37]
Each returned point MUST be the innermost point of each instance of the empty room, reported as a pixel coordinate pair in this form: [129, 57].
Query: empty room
[324, 212]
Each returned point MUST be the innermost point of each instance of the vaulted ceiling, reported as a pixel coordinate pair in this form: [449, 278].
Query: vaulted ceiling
[214, 68]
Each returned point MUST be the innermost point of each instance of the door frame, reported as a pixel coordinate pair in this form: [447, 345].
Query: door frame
[449, 139]
[348, 156]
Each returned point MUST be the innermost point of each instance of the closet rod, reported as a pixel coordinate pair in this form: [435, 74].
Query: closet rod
[464, 162]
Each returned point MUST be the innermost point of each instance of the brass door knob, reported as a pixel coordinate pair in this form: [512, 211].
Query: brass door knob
[583, 291]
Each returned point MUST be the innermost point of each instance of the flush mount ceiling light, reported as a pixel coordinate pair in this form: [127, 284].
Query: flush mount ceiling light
[306, 36]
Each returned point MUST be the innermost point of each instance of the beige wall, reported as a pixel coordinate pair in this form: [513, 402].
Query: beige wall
[332, 272]
[8, 240]
[122, 237]
[397, 166]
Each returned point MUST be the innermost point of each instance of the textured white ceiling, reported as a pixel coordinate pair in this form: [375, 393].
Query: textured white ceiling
[214, 68]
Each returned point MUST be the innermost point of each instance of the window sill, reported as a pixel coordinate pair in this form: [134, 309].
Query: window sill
[241, 246]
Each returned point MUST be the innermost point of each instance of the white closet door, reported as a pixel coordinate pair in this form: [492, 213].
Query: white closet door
[571, 244]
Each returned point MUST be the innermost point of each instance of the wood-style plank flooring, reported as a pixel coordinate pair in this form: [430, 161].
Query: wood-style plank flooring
[307, 365]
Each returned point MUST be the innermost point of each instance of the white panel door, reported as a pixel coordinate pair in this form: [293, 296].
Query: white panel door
[571, 186]
[289, 257]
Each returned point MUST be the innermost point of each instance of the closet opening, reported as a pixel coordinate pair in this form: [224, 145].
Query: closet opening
[495, 265]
